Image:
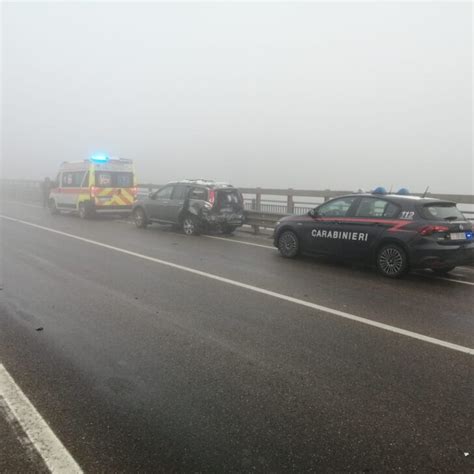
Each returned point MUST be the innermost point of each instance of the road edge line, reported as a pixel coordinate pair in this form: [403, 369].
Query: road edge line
[56, 457]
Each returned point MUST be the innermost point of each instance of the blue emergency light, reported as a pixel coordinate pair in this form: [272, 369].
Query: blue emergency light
[403, 192]
[99, 158]
[379, 190]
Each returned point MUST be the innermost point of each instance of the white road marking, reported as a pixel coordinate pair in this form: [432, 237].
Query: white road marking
[46, 443]
[452, 280]
[257, 289]
[270, 247]
[225, 239]
[433, 277]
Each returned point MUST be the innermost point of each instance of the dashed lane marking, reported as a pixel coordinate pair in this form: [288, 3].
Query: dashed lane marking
[256, 289]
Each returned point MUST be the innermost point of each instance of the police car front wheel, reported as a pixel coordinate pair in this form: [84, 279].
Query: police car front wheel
[392, 261]
[288, 244]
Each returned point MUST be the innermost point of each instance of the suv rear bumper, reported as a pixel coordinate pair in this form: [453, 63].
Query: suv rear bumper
[438, 256]
[219, 219]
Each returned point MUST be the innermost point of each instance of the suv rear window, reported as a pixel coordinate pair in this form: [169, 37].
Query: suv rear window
[442, 212]
[113, 179]
[228, 196]
[198, 193]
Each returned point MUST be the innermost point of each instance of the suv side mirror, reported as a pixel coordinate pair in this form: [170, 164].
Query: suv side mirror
[313, 213]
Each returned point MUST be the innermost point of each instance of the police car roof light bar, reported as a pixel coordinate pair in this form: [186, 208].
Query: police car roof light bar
[379, 190]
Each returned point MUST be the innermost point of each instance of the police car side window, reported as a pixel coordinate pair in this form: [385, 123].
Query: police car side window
[376, 208]
[336, 208]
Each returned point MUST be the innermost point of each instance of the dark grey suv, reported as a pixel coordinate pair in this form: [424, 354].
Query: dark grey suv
[193, 205]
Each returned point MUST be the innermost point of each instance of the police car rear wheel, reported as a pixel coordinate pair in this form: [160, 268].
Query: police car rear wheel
[392, 261]
[288, 244]
[140, 218]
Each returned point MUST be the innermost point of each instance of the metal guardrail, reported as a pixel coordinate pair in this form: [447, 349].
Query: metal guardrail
[260, 211]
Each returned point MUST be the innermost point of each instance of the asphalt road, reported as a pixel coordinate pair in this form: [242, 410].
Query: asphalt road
[142, 366]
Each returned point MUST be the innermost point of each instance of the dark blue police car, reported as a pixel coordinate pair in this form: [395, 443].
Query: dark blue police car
[394, 232]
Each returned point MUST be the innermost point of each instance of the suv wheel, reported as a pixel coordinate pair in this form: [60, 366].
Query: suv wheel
[288, 244]
[190, 225]
[139, 218]
[228, 229]
[392, 261]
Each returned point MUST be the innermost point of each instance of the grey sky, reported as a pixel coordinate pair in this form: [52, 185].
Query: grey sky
[317, 96]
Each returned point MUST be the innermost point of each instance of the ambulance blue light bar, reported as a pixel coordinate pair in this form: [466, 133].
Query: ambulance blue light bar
[99, 158]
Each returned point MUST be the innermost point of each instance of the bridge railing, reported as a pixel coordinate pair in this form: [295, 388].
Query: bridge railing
[264, 206]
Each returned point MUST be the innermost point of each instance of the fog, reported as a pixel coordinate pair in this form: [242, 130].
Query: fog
[314, 96]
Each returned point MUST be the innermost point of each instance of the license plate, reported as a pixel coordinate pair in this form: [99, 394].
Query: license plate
[458, 236]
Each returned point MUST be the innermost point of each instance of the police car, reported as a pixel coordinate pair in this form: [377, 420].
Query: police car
[395, 232]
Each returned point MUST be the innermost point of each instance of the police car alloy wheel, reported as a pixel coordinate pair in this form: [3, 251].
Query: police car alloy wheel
[288, 244]
[392, 261]
[190, 226]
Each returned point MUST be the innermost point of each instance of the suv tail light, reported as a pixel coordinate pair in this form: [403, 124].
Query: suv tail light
[212, 196]
[431, 229]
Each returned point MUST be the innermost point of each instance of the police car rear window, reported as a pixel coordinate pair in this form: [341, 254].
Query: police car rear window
[442, 211]
[113, 179]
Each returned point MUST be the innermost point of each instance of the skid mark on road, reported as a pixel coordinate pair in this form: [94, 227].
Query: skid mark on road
[256, 289]
[47, 445]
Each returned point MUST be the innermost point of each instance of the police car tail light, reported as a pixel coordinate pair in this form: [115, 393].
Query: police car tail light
[212, 196]
[431, 229]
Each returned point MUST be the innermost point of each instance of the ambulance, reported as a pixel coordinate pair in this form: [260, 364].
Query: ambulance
[97, 185]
